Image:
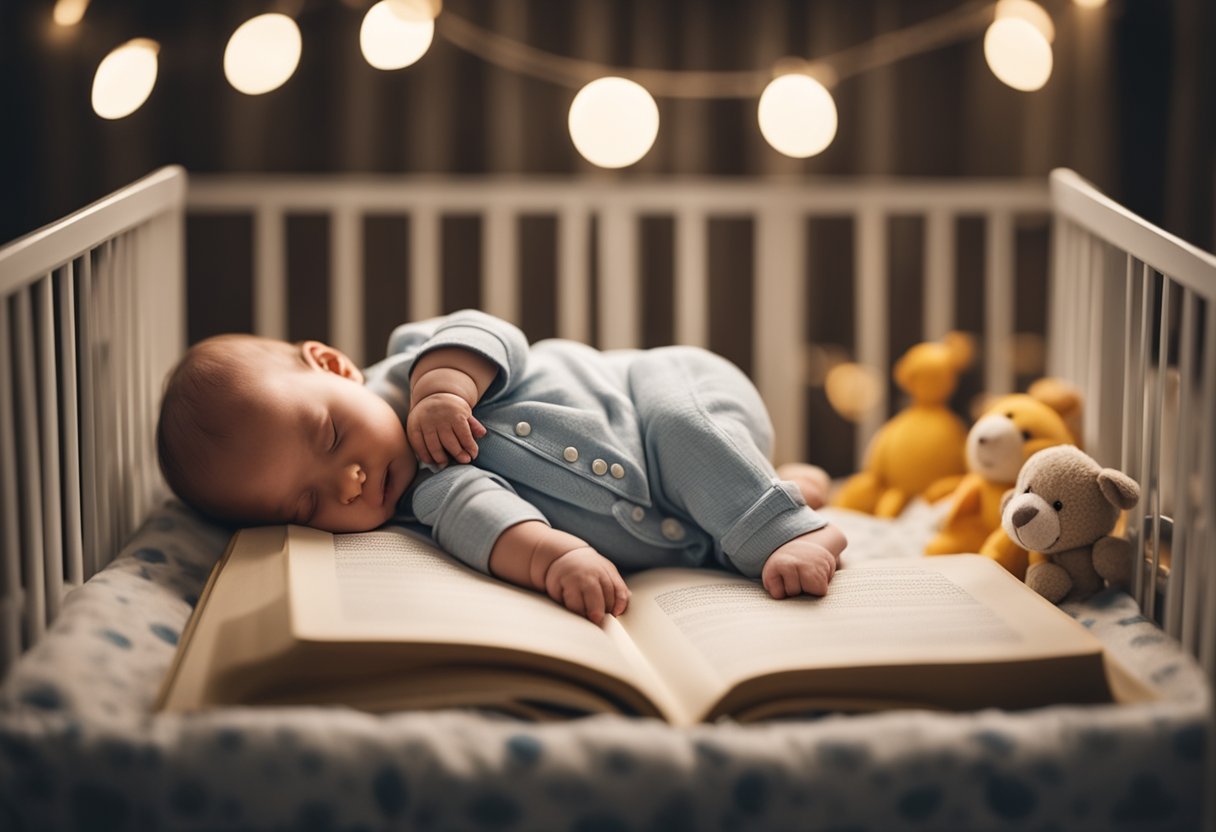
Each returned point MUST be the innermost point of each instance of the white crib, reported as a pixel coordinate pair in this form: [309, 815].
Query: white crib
[94, 316]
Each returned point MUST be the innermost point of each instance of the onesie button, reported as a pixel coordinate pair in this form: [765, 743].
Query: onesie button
[671, 528]
[638, 514]
[571, 454]
[599, 466]
[522, 428]
[617, 470]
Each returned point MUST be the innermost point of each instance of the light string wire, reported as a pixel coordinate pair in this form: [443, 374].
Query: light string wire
[507, 53]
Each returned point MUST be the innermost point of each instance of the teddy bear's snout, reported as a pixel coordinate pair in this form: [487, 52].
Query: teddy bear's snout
[1024, 515]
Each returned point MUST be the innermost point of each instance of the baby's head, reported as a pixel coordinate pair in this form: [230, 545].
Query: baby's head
[254, 430]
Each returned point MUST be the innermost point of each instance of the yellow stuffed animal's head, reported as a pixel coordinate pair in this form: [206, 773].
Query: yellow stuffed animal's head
[928, 372]
[1011, 430]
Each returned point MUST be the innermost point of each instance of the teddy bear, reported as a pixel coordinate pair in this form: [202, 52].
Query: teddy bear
[924, 442]
[1013, 428]
[1063, 509]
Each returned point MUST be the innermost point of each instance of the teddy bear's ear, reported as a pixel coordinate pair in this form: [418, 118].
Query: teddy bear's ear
[961, 348]
[1118, 488]
[1063, 398]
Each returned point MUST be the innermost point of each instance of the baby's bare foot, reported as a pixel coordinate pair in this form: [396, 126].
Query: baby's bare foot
[811, 480]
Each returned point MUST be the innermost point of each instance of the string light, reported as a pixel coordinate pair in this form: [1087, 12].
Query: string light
[613, 119]
[797, 115]
[125, 78]
[613, 122]
[395, 34]
[262, 53]
[1017, 53]
[69, 12]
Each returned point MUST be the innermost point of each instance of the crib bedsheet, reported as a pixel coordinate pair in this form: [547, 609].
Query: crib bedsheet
[80, 747]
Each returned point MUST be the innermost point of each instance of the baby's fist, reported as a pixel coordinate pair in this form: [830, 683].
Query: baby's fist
[804, 564]
[441, 424]
[586, 582]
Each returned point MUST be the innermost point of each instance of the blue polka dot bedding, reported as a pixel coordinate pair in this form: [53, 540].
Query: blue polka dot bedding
[81, 748]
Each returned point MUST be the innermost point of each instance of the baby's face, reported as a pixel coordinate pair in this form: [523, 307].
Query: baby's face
[322, 451]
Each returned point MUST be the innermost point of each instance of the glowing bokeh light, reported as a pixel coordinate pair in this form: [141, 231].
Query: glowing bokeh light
[69, 12]
[613, 122]
[1018, 54]
[797, 115]
[394, 35]
[262, 53]
[1031, 12]
[125, 78]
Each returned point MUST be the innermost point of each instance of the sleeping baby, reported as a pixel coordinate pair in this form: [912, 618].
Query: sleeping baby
[552, 466]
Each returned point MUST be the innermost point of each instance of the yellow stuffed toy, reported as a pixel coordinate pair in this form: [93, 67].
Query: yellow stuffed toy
[1012, 429]
[924, 442]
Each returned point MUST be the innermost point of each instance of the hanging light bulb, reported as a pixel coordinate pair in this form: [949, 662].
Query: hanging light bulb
[1090, 4]
[1017, 53]
[69, 12]
[797, 115]
[125, 78]
[262, 53]
[613, 122]
[1031, 12]
[395, 34]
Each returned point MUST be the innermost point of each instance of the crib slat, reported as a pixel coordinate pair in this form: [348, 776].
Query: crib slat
[30, 447]
[939, 274]
[1154, 445]
[346, 283]
[573, 276]
[89, 464]
[126, 471]
[73, 536]
[52, 528]
[1144, 583]
[618, 285]
[870, 316]
[12, 598]
[691, 278]
[1055, 307]
[999, 300]
[107, 440]
[270, 273]
[1207, 492]
[1133, 393]
[777, 331]
[1181, 464]
[426, 301]
[500, 263]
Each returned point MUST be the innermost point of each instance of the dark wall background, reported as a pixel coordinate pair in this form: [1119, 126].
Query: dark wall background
[1130, 103]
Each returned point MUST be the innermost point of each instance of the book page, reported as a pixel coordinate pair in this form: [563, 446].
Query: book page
[392, 586]
[721, 629]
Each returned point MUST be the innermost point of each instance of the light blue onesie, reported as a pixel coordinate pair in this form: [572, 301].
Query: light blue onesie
[654, 457]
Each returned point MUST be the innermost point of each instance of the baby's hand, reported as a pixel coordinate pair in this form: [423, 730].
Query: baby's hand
[804, 564]
[587, 583]
[443, 422]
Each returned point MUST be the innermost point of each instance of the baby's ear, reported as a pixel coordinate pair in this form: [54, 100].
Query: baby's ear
[330, 360]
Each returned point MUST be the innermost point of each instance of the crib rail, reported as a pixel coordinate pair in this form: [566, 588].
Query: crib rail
[92, 318]
[778, 210]
[1133, 322]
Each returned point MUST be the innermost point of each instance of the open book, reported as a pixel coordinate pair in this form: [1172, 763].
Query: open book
[385, 621]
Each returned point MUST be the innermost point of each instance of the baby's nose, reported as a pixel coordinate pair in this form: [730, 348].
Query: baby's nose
[351, 483]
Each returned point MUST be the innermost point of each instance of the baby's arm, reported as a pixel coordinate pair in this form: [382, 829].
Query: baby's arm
[444, 387]
[804, 564]
[534, 555]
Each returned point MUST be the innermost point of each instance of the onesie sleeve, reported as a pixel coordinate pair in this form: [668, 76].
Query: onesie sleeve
[494, 339]
[467, 509]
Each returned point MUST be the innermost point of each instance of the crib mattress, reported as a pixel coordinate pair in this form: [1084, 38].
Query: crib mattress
[81, 748]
